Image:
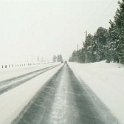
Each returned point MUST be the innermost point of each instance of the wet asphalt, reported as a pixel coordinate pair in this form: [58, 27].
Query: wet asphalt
[65, 100]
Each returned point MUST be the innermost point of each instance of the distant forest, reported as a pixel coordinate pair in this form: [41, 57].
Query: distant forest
[105, 44]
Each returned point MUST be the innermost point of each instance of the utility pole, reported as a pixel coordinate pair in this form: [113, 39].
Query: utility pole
[77, 47]
[85, 52]
[85, 34]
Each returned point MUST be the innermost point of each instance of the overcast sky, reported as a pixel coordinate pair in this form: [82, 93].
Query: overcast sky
[48, 27]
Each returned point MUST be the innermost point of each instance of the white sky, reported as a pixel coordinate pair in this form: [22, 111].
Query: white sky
[47, 27]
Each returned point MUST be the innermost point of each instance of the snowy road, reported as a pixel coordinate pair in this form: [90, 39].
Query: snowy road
[16, 81]
[65, 100]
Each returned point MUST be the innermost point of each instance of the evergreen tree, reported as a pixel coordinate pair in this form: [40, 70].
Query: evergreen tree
[88, 49]
[104, 44]
[59, 58]
[54, 58]
[100, 41]
[116, 35]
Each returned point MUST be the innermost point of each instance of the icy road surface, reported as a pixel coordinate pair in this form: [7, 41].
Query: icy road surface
[65, 100]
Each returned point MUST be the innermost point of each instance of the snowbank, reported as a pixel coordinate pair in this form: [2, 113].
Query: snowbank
[107, 82]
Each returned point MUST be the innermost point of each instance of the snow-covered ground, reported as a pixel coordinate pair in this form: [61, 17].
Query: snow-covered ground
[107, 82]
[13, 101]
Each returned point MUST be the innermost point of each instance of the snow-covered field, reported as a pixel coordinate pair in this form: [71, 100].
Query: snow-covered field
[13, 101]
[107, 82]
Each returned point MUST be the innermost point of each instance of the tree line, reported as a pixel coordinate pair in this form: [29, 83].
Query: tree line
[105, 44]
[58, 58]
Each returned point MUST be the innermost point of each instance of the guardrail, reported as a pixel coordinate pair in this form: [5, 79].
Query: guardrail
[20, 65]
